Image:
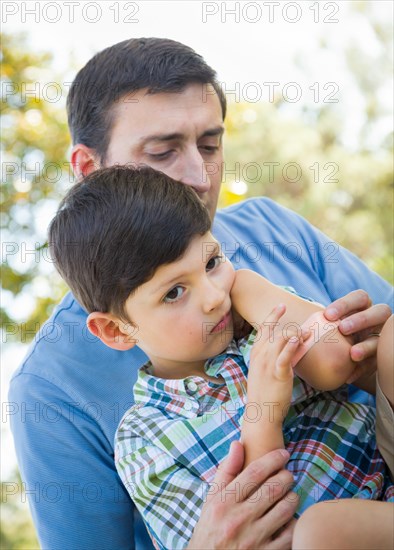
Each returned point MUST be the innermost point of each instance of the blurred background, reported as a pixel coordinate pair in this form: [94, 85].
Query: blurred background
[310, 90]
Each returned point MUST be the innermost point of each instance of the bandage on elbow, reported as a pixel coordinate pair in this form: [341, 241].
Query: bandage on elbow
[319, 327]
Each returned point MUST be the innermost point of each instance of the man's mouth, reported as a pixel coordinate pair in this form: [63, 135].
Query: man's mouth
[223, 323]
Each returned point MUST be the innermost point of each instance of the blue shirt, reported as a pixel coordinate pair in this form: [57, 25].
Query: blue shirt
[71, 390]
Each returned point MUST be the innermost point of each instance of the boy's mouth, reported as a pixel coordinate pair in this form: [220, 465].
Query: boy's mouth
[223, 323]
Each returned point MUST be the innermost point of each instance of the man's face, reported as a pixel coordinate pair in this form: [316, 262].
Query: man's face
[182, 315]
[179, 134]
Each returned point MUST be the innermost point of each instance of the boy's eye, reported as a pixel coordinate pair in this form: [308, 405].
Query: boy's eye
[213, 262]
[173, 295]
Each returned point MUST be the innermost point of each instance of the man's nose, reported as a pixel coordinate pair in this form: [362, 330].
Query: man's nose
[213, 296]
[194, 172]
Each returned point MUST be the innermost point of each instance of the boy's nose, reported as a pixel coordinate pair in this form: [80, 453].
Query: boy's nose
[213, 297]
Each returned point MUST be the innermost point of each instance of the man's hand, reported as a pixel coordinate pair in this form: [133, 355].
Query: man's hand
[362, 320]
[250, 510]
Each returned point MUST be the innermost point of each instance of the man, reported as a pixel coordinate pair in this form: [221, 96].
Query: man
[156, 102]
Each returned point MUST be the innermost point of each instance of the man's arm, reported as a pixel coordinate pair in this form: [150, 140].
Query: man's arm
[76, 497]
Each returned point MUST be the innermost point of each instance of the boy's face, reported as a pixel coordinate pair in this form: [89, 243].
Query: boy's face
[179, 134]
[183, 314]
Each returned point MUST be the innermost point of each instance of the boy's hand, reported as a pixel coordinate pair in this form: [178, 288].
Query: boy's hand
[270, 378]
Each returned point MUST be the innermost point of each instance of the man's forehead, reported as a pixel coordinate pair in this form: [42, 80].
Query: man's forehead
[192, 97]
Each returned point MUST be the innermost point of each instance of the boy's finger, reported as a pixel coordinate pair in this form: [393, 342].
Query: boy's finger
[283, 366]
[267, 327]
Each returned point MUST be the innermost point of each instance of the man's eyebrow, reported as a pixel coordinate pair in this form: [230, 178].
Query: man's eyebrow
[218, 131]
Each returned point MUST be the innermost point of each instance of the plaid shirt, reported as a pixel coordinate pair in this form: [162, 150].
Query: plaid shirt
[169, 445]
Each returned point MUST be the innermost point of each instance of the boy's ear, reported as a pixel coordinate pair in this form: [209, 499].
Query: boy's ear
[113, 332]
[83, 160]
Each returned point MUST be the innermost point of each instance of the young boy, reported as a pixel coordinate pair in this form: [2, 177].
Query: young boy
[135, 247]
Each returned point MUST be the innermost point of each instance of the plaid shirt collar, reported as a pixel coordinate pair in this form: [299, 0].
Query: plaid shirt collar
[182, 396]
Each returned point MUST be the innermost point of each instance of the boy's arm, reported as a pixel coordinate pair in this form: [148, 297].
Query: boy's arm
[270, 385]
[327, 365]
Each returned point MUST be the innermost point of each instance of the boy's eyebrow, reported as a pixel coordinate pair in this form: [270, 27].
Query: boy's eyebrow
[218, 131]
[212, 252]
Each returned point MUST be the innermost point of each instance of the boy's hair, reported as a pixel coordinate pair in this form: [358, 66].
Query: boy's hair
[116, 227]
[158, 64]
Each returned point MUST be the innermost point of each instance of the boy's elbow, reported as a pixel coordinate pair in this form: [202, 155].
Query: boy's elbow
[330, 363]
[338, 368]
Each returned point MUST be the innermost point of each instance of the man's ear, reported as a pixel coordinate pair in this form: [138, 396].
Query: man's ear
[113, 332]
[84, 160]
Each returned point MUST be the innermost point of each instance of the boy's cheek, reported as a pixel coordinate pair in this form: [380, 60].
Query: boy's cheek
[231, 275]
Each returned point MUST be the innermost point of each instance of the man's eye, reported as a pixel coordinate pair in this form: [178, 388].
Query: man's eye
[160, 156]
[173, 295]
[209, 149]
[213, 262]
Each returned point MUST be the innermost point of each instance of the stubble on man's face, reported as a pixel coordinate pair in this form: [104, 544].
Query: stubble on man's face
[179, 134]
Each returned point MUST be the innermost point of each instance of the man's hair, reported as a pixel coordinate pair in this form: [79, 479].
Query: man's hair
[158, 64]
[116, 227]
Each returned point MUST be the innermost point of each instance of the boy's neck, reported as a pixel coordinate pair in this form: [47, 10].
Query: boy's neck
[197, 370]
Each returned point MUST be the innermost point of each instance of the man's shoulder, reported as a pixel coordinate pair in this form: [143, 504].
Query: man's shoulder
[60, 328]
[255, 205]
[66, 355]
[254, 213]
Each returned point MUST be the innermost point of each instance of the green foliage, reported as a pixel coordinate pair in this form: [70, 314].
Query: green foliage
[347, 194]
[16, 529]
[35, 173]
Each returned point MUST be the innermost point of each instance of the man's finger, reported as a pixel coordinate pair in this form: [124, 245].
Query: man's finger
[363, 368]
[229, 468]
[258, 472]
[371, 319]
[284, 539]
[364, 350]
[260, 497]
[278, 518]
[357, 300]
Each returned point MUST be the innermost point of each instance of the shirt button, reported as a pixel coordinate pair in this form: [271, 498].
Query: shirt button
[188, 406]
[338, 465]
[192, 386]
